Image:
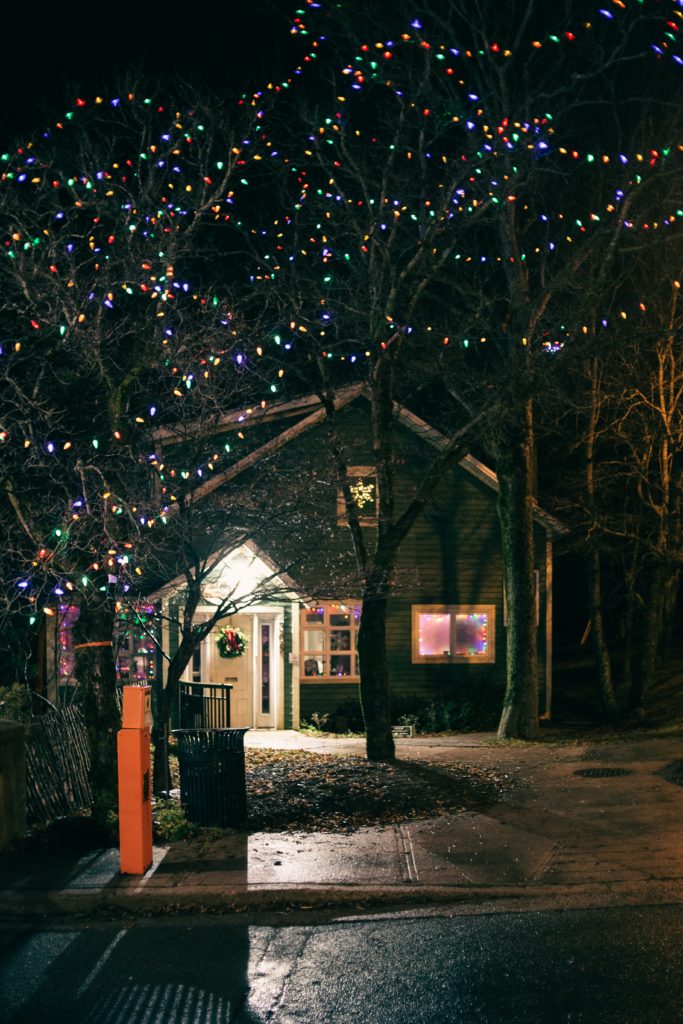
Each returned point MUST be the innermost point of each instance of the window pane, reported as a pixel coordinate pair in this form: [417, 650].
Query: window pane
[314, 615]
[315, 666]
[434, 634]
[314, 640]
[67, 659]
[340, 665]
[340, 615]
[472, 633]
[265, 668]
[340, 640]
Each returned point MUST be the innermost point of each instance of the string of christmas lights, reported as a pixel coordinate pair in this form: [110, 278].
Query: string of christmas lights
[104, 196]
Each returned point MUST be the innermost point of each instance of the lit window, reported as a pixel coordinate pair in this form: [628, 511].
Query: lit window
[453, 633]
[329, 642]
[362, 482]
[133, 644]
[66, 659]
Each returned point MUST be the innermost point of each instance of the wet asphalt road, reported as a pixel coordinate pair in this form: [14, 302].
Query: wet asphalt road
[597, 966]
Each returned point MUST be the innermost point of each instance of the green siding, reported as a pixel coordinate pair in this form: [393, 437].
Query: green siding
[451, 556]
[329, 699]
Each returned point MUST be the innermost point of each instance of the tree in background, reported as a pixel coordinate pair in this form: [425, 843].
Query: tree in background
[451, 173]
[114, 226]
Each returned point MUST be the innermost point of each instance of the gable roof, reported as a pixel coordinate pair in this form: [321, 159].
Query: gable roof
[313, 407]
[274, 580]
[473, 466]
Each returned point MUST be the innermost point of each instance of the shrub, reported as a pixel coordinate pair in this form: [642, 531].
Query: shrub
[461, 713]
[15, 702]
[169, 823]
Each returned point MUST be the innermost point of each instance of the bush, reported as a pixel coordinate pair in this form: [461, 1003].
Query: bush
[463, 714]
[15, 702]
[348, 717]
[169, 823]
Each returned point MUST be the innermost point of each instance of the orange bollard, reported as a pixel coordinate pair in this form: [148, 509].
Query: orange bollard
[135, 798]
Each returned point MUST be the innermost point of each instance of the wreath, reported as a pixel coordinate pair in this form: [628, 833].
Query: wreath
[232, 642]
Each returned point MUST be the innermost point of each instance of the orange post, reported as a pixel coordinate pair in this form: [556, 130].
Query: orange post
[135, 798]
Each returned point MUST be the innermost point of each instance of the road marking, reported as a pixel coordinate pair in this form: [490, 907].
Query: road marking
[100, 963]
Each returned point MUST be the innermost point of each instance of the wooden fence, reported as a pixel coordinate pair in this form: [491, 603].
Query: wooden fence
[57, 766]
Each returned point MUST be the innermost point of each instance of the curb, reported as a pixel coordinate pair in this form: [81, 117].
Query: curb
[205, 900]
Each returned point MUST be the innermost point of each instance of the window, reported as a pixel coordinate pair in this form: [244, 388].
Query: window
[449, 634]
[329, 642]
[133, 644]
[66, 659]
[363, 486]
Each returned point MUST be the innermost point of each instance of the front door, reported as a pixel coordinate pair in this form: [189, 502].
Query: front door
[236, 671]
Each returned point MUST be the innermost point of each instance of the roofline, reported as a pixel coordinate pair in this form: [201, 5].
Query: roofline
[301, 427]
[177, 583]
[473, 466]
[237, 419]
[344, 397]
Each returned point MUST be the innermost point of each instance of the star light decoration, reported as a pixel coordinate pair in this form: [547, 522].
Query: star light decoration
[363, 492]
[488, 142]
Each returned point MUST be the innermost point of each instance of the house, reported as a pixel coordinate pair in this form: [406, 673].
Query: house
[446, 620]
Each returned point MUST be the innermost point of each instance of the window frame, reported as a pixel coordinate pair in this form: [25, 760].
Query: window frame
[452, 610]
[327, 629]
[360, 472]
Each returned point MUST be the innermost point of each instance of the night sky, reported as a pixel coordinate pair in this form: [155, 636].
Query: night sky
[50, 58]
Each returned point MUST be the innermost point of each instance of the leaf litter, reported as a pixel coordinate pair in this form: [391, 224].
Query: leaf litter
[289, 790]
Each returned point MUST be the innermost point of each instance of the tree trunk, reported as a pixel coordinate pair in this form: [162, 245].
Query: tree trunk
[374, 679]
[650, 631]
[161, 773]
[604, 664]
[629, 621]
[627, 661]
[602, 655]
[96, 674]
[515, 468]
[670, 603]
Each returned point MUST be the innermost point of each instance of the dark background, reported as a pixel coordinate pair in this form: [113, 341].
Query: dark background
[48, 58]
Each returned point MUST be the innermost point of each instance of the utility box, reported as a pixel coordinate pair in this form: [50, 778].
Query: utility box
[135, 794]
[137, 707]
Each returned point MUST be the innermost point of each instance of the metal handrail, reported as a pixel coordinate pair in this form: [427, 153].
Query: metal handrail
[204, 705]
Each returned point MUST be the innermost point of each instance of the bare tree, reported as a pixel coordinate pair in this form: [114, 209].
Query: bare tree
[624, 505]
[433, 175]
[116, 227]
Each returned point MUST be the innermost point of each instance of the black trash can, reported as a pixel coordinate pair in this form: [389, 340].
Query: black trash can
[213, 787]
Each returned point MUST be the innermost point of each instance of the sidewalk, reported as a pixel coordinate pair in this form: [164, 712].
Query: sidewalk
[558, 839]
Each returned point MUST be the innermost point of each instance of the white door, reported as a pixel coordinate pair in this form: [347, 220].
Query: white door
[265, 671]
[236, 671]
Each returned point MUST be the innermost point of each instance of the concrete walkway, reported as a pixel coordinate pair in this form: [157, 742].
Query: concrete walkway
[557, 839]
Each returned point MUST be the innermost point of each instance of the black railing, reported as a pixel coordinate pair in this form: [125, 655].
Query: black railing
[205, 705]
